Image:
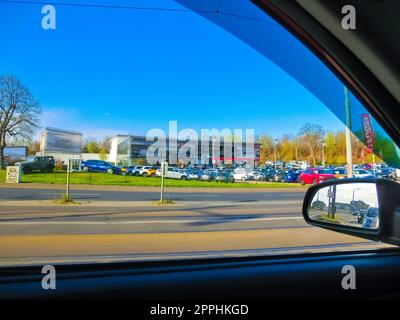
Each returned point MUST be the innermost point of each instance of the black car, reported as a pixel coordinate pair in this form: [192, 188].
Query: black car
[42, 164]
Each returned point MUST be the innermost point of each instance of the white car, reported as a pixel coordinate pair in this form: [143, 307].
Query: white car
[240, 174]
[253, 175]
[144, 170]
[362, 174]
[174, 173]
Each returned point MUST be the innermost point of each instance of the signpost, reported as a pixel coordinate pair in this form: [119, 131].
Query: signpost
[68, 176]
[164, 169]
[332, 201]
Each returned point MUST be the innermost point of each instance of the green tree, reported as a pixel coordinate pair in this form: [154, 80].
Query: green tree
[103, 154]
[266, 148]
[91, 146]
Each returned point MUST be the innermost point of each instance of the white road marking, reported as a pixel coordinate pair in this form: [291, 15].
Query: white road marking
[73, 193]
[190, 195]
[143, 222]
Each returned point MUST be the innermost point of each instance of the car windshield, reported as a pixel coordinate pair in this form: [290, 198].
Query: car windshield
[170, 88]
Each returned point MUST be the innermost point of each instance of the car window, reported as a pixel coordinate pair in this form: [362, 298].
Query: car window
[146, 84]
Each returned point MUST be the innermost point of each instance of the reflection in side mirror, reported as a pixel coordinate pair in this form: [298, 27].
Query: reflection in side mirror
[349, 204]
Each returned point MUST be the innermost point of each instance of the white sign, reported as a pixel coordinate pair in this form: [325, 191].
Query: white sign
[13, 174]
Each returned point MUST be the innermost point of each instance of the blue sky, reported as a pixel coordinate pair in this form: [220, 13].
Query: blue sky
[106, 71]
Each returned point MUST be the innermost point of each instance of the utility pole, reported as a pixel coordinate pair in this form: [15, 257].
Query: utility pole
[275, 145]
[164, 169]
[349, 153]
[68, 177]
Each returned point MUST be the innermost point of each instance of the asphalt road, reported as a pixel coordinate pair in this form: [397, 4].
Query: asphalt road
[194, 211]
[117, 223]
[112, 195]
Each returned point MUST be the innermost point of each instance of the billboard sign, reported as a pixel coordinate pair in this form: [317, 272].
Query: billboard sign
[56, 140]
[368, 132]
[14, 154]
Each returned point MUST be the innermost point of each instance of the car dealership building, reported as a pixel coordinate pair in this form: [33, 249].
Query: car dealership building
[128, 149]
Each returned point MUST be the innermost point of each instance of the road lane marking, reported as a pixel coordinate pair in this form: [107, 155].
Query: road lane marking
[145, 222]
[75, 194]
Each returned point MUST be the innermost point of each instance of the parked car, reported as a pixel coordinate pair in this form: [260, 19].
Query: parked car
[291, 176]
[148, 171]
[315, 176]
[361, 216]
[99, 166]
[175, 173]
[278, 175]
[224, 176]
[340, 173]
[261, 176]
[131, 171]
[42, 164]
[208, 175]
[253, 175]
[240, 174]
[362, 174]
[193, 173]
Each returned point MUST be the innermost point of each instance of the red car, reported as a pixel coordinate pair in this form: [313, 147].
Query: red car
[314, 176]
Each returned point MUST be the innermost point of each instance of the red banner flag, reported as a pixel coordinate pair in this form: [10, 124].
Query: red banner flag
[368, 132]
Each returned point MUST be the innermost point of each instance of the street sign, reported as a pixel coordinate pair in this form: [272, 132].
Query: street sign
[13, 174]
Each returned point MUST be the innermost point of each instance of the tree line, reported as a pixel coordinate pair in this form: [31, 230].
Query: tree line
[316, 145]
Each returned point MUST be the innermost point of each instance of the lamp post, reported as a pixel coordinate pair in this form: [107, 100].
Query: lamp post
[275, 145]
[349, 153]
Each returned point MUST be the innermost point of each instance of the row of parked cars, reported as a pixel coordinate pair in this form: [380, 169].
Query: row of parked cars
[313, 175]
[267, 173]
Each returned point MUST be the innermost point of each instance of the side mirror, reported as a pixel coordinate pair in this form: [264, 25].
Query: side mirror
[366, 208]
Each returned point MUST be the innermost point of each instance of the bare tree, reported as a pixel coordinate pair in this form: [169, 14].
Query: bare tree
[19, 112]
[312, 135]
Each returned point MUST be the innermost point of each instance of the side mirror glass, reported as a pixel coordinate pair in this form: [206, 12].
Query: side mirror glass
[349, 204]
[365, 208]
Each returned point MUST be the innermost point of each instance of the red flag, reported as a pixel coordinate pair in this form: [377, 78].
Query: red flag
[368, 132]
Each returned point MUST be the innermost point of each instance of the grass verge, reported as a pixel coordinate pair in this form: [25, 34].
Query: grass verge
[164, 202]
[59, 177]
